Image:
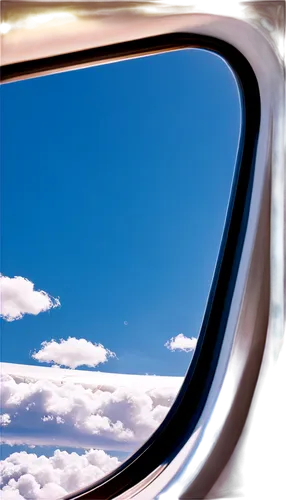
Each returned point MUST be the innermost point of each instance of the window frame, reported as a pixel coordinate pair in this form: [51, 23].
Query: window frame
[207, 370]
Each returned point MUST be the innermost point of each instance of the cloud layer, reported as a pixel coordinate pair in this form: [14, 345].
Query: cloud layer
[181, 343]
[43, 406]
[18, 297]
[61, 411]
[28, 476]
[73, 353]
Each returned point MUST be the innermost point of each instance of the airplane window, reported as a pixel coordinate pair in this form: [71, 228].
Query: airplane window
[115, 187]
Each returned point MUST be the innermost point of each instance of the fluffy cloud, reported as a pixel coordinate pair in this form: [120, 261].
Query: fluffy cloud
[83, 409]
[181, 343]
[28, 476]
[5, 419]
[73, 353]
[18, 297]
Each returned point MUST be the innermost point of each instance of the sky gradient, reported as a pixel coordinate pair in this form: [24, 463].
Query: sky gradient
[115, 182]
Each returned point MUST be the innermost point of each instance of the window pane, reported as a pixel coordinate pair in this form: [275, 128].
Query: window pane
[115, 185]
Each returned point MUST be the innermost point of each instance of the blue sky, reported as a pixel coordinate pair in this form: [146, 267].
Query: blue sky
[115, 183]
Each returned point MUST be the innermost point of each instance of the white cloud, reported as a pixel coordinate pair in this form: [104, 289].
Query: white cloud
[28, 476]
[181, 343]
[73, 353]
[5, 419]
[18, 297]
[102, 410]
